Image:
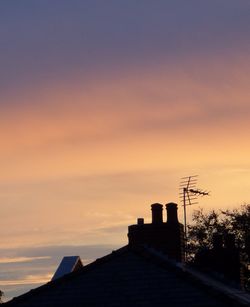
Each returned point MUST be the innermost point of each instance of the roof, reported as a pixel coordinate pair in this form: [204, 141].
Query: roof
[130, 277]
[68, 264]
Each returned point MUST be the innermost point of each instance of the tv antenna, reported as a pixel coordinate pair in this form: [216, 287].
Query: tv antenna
[189, 194]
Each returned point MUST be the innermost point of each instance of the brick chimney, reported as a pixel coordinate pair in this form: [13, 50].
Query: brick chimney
[167, 237]
[224, 258]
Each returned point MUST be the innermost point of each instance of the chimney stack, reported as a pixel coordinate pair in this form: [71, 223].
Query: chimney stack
[167, 237]
[156, 213]
[247, 244]
[230, 241]
[217, 241]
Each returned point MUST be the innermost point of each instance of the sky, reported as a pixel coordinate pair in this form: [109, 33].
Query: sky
[104, 106]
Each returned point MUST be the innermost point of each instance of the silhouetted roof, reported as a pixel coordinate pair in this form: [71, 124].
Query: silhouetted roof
[130, 277]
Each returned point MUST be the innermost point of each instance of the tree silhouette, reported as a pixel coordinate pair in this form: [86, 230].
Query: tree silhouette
[229, 224]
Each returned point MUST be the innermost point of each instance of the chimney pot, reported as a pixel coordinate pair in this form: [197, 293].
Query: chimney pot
[140, 221]
[156, 213]
[172, 213]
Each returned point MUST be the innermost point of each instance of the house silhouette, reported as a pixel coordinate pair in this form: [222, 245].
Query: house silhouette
[149, 271]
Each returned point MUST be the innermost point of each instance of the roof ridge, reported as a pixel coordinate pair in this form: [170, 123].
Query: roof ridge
[58, 281]
[210, 285]
[237, 295]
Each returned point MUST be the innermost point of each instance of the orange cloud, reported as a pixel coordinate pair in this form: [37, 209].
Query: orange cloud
[64, 148]
[28, 280]
[4, 260]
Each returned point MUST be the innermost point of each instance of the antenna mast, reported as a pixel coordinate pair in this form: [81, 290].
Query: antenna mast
[188, 196]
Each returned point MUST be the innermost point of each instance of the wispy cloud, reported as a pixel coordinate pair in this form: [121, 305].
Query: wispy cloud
[21, 259]
[27, 280]
[25, 268]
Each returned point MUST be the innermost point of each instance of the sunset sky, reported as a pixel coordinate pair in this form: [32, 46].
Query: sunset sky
[104, 106]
